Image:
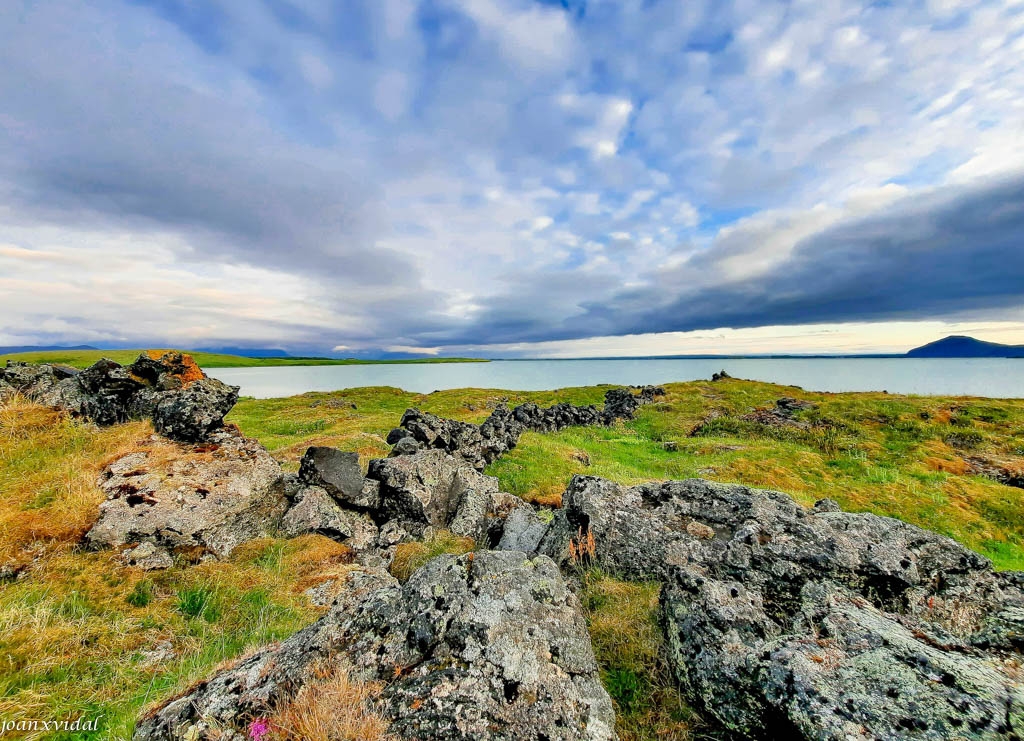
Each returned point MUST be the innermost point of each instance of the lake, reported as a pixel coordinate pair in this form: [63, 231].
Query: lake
[992, 377]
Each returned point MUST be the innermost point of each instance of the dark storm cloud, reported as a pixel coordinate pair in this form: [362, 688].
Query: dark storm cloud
[947, 253]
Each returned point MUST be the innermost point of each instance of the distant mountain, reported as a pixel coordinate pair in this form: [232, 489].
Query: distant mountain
[10, 349]
[247, 352]
[958, 346]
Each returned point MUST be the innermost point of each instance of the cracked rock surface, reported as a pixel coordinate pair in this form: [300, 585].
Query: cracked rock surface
[487, 645]
[788, 622]
[206, 499]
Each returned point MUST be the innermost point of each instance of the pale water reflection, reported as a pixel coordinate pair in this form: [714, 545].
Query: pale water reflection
[993, 377]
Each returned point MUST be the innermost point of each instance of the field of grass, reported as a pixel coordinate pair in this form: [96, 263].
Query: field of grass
[85, 358]
[900, 456]
[80, 631]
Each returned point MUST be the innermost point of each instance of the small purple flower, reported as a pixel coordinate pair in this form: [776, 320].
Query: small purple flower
[258, 729]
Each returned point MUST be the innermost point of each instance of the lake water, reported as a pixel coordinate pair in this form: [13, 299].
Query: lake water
[993, 377]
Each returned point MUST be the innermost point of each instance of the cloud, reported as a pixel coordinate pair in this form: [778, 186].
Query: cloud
[947, 253]
[431, 174]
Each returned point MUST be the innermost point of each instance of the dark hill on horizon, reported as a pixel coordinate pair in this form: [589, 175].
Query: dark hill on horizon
[959, 346]
[12, 349]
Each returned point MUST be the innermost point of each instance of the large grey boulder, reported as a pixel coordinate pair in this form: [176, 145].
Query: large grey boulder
[835, 668]
[788, 622]
[338, 472]
[191, 413]
[433, 488]
[316, 511]
[488, 645]
[204, 500]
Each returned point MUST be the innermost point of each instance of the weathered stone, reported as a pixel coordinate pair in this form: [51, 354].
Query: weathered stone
[482, 444]
[338, 472]
[316, 511]
[406, 446]
[193, 412]
[488, 645]
[183, 403]
[30, 380]
[786, 622]
[148, 557]
[836, 668]
[523, 531]
[428, 488]
[619, 404]
[210, 499]
[790, 405]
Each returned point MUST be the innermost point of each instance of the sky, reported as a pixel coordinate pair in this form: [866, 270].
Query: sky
[508, 178]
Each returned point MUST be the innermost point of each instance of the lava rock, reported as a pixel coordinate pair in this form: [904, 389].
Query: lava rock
[338, 472]
[192, 413]
[432, 488]
[316, 511]
[523, 531]
[482, 444]
[184, 404]
[786, 622]
[487, 645]
[836, 667]
[206, 500]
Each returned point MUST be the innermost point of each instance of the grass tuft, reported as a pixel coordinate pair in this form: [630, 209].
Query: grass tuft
[334, 708]
[410, 556]
[623, 622]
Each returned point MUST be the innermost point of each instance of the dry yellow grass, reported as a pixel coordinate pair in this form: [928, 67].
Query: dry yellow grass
[410, 556]
[623, 623]
[48, 469]
[334, 708]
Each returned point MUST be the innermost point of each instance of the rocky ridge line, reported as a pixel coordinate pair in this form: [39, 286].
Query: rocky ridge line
[182, 401]
[482, 444]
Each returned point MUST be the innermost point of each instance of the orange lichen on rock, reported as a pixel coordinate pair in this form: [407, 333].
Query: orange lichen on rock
[180, 365]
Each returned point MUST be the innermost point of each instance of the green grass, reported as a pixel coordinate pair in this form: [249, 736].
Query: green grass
[85, 358]
[74, 631]
[874, 452]
[623, 622]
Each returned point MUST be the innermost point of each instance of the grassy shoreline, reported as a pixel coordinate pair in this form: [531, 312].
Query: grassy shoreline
[79, 630]
[85, 358]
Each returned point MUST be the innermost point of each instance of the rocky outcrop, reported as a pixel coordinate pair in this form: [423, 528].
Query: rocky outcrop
[482, 444]
[788, 622]
[1008, 471]
[486, 645]
[433, 489]
[836, 667]
[314, 510]
[171, 389]
[202, 501]
[783, 414]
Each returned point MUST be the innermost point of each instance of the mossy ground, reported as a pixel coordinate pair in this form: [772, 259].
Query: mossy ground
[75, 629]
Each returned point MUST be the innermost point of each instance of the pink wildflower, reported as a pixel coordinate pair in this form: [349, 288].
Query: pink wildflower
[258, 729]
